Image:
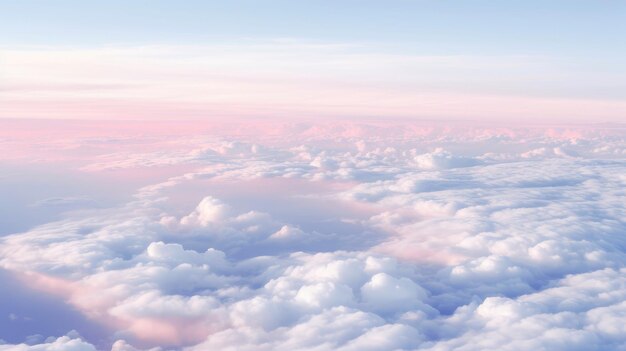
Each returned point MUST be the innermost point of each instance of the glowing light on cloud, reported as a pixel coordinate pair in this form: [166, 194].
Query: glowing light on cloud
[312, 175]
[445, 236]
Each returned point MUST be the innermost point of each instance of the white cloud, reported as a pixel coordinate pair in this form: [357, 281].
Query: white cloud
[63, 343]
[358, 240]
[384, 293]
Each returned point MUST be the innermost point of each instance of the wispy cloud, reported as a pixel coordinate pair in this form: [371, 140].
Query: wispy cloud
[287, 78]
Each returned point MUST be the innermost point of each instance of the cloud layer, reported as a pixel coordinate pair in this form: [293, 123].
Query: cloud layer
[341, 237]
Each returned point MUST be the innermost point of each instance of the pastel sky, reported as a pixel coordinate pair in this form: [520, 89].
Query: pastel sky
[312, 175]
[557, 61]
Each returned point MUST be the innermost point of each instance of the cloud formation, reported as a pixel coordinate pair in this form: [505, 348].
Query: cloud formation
[346, 237]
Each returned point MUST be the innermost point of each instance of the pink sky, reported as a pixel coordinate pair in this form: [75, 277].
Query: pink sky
[290, 80]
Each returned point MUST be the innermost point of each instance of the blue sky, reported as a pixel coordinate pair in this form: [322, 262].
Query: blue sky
[529, 27]
[565, 59]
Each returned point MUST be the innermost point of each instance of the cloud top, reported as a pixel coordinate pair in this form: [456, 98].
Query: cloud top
[342, 237]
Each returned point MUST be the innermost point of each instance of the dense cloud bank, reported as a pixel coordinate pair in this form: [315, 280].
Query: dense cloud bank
[352, 237]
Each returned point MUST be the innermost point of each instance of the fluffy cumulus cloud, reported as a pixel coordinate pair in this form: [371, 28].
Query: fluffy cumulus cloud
[342, 237]
[61, 343]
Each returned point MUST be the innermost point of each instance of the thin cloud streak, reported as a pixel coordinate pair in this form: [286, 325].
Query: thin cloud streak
[288, 79]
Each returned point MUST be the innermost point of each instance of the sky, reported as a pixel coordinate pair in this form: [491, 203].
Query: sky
[513, 61]
[346, 175]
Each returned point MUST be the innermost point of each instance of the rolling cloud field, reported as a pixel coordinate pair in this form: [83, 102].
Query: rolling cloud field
[342, 235]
